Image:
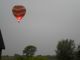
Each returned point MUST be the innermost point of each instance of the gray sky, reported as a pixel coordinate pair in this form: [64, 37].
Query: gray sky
[45, 23]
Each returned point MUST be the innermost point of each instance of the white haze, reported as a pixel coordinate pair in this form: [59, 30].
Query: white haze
[45, 23]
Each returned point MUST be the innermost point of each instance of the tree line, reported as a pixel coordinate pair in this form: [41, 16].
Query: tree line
[65, 50]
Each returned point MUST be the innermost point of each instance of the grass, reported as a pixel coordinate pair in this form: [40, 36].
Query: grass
[29, 58]
[8, 58]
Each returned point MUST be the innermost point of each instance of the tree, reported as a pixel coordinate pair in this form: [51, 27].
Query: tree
[78, 53]
[65, 50]
[29, 50]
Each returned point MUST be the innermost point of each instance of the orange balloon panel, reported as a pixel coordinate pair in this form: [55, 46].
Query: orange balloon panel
[19, 12]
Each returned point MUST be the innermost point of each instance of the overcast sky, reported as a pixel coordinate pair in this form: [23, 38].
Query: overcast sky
[46, 22]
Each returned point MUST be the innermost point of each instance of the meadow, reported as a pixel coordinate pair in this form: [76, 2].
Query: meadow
[29, 58]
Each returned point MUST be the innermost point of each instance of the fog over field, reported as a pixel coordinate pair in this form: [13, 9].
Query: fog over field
[46, 22]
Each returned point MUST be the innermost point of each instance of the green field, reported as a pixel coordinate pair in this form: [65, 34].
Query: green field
[25, 58]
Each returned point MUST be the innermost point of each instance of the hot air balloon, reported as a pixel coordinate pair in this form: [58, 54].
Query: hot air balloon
[19, 12]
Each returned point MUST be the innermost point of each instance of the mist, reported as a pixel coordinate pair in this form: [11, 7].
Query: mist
[46, 22]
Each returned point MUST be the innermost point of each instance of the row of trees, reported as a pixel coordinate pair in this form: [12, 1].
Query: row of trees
[66, 50]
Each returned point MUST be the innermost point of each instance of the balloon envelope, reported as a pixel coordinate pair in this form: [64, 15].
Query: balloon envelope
[19, 12]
